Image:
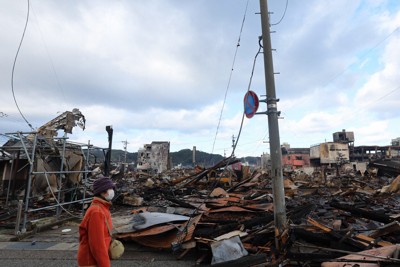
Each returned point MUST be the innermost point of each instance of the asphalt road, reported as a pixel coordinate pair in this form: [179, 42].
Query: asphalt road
[61, 254]
[58, 247]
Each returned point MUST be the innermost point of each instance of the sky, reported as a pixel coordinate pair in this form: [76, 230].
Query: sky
[177, 71]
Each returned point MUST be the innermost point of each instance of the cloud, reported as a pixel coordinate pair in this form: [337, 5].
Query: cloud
[159, 70]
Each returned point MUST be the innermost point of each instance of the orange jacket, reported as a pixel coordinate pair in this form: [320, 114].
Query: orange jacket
[94, 238]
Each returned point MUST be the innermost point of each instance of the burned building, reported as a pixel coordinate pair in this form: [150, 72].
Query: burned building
[40, 153]
[38, 164]
[265, 161]
[367, 153]
[329, 153]
[343, 137]
[295, 158]
[154, 157]
[396, 141]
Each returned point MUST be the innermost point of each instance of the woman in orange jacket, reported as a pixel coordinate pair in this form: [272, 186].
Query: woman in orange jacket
[94, 237]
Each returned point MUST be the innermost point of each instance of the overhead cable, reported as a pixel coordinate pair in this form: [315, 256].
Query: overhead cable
[284, 13]
[230, 77]
[248, 89]
[184, 231]
[13, 68]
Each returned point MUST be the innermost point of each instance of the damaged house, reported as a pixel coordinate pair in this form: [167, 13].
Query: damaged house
[39, 164]
[295, 158]
[386, 159]
[154, 157]
[328, 153]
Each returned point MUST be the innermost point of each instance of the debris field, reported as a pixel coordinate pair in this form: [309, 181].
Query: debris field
[345, 219]
[226, 217]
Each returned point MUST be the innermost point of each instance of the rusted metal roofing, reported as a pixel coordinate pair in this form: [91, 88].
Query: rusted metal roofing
[369, 258]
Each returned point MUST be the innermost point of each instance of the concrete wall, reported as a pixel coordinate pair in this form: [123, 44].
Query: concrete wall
[154, 157]
[296, 161]
[329, 152]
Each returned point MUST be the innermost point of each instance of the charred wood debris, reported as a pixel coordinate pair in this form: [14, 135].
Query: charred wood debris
[227, 217]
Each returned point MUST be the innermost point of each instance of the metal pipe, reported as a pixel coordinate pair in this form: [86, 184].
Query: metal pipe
[28, 189]
[53, 172]
[17, 223]
[9, 180]
[62, 204]
[20, 133]
[85, 175]
[60, 175]
[26, 150]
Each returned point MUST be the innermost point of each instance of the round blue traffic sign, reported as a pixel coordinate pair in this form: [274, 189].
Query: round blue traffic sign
[250, 104]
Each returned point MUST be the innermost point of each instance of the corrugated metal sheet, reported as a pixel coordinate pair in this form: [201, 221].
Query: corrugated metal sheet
[377, 254]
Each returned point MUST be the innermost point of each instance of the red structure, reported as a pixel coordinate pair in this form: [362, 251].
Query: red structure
[295, 158]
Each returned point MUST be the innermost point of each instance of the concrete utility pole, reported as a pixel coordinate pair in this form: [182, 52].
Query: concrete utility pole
[125, 164]
[233, 144]
[125, 144]
[273, 127]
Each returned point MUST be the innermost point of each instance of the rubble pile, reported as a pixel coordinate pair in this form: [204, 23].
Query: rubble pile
[329, 217]
[226, 217]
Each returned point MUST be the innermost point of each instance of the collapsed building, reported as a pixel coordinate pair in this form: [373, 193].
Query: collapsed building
[342, 152]
[352, 219]
[154, 157]
[329, 153]
[295, 158]
[40, 165]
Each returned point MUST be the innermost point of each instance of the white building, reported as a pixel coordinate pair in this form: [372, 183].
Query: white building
[329, 153]
[154, 157]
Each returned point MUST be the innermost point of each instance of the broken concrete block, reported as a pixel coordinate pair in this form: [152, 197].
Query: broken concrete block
[134, 201]
[149, 183]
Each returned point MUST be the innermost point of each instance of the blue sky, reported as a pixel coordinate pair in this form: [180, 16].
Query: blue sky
[159, 70]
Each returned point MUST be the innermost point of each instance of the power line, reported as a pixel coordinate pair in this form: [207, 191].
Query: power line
[184, 231]
[230, 77]
[365, 55]
[284, 13]
[13, 68]
[387, 37]
[248, 89]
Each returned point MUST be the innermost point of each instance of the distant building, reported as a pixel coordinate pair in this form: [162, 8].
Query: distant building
[341, 150]
[265, 161]
[295, 158]
[366, 153]
[329, 153]
[396, 141]
[343, 137]
[154, 157]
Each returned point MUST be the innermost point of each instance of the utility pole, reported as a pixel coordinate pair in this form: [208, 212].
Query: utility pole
[194, 156]
[125, 143]
[233, 144]
[273, 127]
